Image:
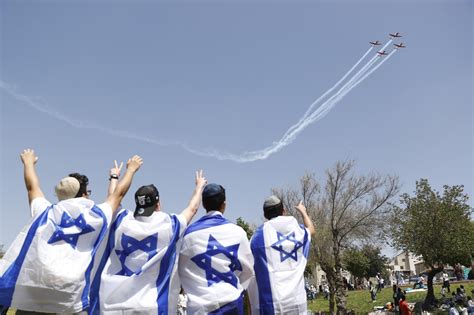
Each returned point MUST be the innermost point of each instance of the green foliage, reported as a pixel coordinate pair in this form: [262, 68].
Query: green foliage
[356, 262]
[246, 226]
[435, 226]
[365, 262]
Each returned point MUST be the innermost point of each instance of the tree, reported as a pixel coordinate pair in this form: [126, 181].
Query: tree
[365, 262]
[435, 226]
[378, 263]
[349, 208]
[246, 226]
[356, 262]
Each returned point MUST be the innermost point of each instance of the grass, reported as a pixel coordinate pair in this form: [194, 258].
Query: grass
[360, 301]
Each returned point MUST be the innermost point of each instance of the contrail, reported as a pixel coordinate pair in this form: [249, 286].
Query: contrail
[360, 73]
[81, 124]
[247, 156]
[308, 111]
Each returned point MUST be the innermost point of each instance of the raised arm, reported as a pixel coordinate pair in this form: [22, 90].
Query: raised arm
[123, 185]
[306, 219]
[29, 159]
[193, 205]
[114, 176]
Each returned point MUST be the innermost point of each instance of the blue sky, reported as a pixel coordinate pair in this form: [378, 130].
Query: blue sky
[231, 76]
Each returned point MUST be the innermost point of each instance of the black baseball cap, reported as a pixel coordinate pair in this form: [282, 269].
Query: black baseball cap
[146, 199]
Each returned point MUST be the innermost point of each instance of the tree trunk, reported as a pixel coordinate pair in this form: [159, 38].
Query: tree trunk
[430, 297]
[332, 285]
[340, 290]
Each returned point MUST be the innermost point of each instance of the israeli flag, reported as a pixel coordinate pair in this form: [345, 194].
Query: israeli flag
[49, 266]
[215, 265]
[139, 268]
[280, 248]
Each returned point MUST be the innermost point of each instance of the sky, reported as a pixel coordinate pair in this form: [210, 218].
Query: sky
[95, 81]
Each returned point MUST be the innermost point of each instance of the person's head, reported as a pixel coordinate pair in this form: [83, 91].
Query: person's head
[147, 201]
[461, 286]
[213, 197]
[403, 297]
[272, 207]
[83, 183]
[67, 188]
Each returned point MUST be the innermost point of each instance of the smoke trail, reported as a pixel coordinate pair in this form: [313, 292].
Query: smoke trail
[308, 111]
[81, 124]
[360, 73]
[247, 156]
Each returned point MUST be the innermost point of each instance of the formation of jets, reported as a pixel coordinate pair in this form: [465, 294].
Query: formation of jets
[392, 35]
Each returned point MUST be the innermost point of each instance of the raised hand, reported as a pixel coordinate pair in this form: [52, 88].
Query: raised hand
[28, 156]
[134, 163]
[201, 181]
[301, 207]
[116, 169]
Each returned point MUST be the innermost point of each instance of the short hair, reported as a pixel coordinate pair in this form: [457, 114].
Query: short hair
[83, 181]
[274, 211]
[215, 201]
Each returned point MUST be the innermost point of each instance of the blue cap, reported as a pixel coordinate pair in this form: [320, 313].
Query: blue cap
[212, 190]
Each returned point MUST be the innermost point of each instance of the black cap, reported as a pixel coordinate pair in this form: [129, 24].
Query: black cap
[146, 199]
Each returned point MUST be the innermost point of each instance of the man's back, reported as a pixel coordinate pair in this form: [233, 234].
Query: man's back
[139, 273]
[280, 248]
[53, 255]
[215, 265]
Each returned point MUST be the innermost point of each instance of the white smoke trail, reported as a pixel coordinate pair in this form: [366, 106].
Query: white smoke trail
[355, 77]
[308, 111]
[248, 156]
[81, 124]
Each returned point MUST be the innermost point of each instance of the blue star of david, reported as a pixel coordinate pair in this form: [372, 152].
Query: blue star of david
[204, 261]
[130, 245]
[283, 253]
[66, 222]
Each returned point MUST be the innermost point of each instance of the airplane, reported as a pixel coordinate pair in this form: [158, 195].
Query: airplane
[376, 43]
[382, 53]
[397, 34]
[399, 45]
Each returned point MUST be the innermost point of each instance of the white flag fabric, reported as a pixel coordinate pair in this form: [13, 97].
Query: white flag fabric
[280, 248]
[215, 265]
[49, 266]
[139, 268]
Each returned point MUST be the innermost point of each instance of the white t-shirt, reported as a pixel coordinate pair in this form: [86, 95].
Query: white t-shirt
[49, 266]
[140, 273]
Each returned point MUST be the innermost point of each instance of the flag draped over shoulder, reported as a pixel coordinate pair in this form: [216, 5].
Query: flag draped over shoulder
[49, 266]
[215, 265]
[139, 267]
[280, 248]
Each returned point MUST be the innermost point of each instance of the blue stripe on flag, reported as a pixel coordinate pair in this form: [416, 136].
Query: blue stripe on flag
[265, 298]
[166, 269]
[305, 242]
[233, 308]
[95, 287]
[206, 222]
[9, 278]
[103, 230]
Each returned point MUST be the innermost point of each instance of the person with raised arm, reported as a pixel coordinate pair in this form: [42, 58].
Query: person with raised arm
[49, 266]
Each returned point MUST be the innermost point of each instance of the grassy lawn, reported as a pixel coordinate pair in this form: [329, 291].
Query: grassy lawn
[360, 301]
